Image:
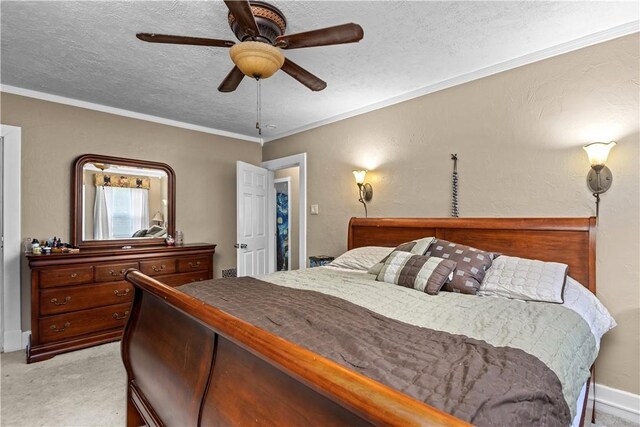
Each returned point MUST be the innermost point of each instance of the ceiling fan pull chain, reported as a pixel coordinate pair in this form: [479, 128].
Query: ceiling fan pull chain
[259, 106]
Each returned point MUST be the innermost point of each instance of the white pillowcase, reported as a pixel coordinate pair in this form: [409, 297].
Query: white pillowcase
[584, 302]
[525, 279]
[361, 259]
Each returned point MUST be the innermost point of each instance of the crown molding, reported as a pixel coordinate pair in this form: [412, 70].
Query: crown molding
[589, 40]
[125, 113]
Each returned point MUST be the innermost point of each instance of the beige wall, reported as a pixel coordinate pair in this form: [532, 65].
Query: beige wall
[518, 135]
[53, 135]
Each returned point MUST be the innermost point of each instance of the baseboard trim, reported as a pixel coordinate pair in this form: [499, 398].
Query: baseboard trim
[12, 341]
[616, 402]
[26, 337]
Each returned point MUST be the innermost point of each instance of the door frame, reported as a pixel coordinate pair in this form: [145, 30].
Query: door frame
[299, 160]
[285, 180]
[11, 333]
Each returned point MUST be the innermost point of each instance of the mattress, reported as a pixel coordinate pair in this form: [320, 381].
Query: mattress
[558, 337]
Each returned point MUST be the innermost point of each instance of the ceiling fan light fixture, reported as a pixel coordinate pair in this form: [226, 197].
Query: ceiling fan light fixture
[256, 59]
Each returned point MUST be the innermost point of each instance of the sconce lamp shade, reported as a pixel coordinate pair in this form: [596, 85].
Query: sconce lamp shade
[359, 176]
[157, 217]
[256, 59]
[598, 153]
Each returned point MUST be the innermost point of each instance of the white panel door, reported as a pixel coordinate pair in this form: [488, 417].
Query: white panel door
[252, 245]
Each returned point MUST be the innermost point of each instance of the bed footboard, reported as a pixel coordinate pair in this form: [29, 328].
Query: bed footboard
[191, 364]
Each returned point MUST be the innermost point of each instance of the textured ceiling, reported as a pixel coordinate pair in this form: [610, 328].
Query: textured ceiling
[88, 51]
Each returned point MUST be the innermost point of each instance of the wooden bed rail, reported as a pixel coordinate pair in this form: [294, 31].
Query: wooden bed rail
[191, 364]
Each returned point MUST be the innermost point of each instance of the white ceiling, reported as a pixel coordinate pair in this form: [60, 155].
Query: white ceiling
[88, 51]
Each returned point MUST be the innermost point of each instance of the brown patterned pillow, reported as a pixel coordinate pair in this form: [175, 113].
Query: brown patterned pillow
[416, 247]
[471, 265]
[426, 274]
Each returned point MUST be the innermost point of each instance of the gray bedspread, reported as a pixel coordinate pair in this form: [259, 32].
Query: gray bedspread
[469, 378]
[557, 336]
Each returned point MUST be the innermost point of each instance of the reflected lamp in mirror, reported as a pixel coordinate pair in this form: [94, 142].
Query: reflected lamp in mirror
[157, 219]
[365, 191]
[599, 178]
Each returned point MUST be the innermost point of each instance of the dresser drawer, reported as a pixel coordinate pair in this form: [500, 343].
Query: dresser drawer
[66, 276]
[62, 326]
[154, 267]
[64, 300]
[183, 279]
[193, 264]
[113, 272]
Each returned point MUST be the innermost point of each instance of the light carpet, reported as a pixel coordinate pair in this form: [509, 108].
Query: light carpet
[87, 388]
[82, 388]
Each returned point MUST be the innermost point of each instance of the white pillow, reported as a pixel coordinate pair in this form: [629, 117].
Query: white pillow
[525, 279]
[584, 302]
[362, 258]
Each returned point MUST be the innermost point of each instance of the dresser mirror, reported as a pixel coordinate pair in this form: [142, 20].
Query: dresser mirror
[118, 202]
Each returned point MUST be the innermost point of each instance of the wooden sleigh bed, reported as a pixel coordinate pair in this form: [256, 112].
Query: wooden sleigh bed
[191, 364]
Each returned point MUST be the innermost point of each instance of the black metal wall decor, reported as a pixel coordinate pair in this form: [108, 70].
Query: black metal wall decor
[455, 209]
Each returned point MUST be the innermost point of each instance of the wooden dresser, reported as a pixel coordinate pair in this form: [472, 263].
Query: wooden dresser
[81, 300]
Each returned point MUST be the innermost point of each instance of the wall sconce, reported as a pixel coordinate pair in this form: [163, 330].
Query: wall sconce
[365, 191]
[599, 178]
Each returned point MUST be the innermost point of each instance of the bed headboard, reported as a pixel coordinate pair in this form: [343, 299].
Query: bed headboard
[568, 240]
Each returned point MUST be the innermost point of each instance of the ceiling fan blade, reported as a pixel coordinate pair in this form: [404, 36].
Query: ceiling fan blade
[303, 76]
[198, 41]
[231, 82]
[346, 33]
[241, 10]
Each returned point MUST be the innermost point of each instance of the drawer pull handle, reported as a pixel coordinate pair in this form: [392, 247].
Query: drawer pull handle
[156, 269]
[118, 317]
[55, 301]
[116, 273]
[194, 264]
[56, 329]
[120, 293]
[200, 279]
[74, 275]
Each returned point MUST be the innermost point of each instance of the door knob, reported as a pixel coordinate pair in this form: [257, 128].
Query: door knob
[240, 246]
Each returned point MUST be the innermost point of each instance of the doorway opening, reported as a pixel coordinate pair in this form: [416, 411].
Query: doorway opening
[256, 215]
[284, 214]
[294, 169]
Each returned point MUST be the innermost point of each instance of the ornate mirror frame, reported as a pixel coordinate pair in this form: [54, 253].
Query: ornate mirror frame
[77, 214]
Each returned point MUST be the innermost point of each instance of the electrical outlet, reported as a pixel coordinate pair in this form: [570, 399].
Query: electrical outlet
[314, 209]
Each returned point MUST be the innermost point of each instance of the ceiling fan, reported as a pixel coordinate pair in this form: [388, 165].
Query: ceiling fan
[260, 27]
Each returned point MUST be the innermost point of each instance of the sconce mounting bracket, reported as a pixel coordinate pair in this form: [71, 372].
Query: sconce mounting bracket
[599, 185]
[367, 192]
